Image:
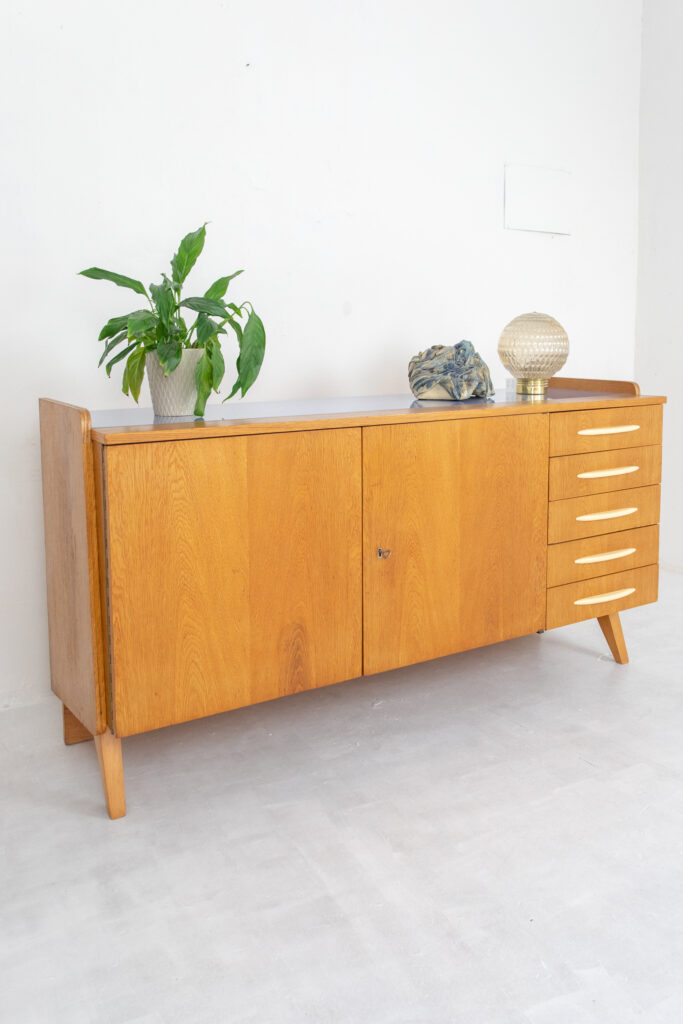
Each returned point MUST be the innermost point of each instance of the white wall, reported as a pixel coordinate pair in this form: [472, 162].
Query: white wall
[348, 154]
[659, 352]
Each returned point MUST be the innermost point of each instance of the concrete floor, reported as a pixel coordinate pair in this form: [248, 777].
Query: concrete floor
[492, 838]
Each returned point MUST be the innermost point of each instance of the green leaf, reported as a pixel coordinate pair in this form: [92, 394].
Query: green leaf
[210, 306]
[203, 376]
[113, 326]
[170, 353]
[220, 287]
[207, 329]
[135, 372]
[237, 328]
[173, 285]
[217, 364]
[252, 351]
[188, 251]
[119, 356]
[116, 340]
[141, 322]
[164, 301]
[97, 274]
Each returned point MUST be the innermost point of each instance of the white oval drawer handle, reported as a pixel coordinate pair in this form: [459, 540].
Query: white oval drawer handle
[593, 517]
[607, 557]
[597, 474]
[613, 595]
[596, 431]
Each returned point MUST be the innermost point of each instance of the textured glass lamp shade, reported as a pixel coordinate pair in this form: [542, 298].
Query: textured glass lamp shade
[533, 347]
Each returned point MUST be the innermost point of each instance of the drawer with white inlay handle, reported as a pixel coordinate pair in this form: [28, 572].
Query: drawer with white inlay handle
[596, 514]
[603, 596]
[589, 557]
[598, 430]
[594, 472]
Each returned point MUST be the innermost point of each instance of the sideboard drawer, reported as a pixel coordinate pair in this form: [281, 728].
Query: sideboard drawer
[594, 472]
[600, 556]
[602, 596]
[598, 430]
[596, 514]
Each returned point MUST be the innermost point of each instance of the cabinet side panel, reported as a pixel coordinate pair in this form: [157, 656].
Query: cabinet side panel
[178, 580]
[305, 512]
[74, 620]
[462, 507]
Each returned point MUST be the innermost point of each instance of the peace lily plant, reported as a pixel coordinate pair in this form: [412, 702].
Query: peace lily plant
[161, 331]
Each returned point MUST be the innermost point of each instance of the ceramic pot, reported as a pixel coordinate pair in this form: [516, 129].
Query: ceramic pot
[175, 395]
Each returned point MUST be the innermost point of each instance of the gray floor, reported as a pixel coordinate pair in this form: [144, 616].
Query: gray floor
[493, 838]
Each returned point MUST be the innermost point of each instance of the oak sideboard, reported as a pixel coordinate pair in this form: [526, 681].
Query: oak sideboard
[195, 566]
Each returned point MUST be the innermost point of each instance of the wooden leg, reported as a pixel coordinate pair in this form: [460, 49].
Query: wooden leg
[614, 635]
[111, 770]
[74, 731]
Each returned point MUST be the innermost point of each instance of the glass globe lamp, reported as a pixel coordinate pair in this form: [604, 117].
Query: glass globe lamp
[533, 347]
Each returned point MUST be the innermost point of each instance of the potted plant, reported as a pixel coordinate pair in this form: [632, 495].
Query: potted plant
[184, 363]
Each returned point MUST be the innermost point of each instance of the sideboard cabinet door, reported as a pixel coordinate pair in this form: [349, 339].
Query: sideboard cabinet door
[454, 536]
[234, 571]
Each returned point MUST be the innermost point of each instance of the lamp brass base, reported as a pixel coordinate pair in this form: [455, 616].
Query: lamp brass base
[535, 386]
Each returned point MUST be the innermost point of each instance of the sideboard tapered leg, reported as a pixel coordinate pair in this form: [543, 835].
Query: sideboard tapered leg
[614, 635]
[111, 770]
[74, 731]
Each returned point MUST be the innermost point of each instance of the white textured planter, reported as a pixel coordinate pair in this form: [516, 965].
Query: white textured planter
[175, 395]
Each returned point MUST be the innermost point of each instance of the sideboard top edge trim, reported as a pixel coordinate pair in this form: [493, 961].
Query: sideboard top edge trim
[145, 433]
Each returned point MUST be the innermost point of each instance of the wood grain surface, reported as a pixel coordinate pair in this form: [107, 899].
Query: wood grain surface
[562, 610]
[305, 545]
[462, 508]
[110, 759]
[74, 731]
[73, 603]
[644, 466]
[565, 438]
[98, 453]
[234, 572]
[565, 522]
[621, 387]
[630, 548]
[614, 635]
